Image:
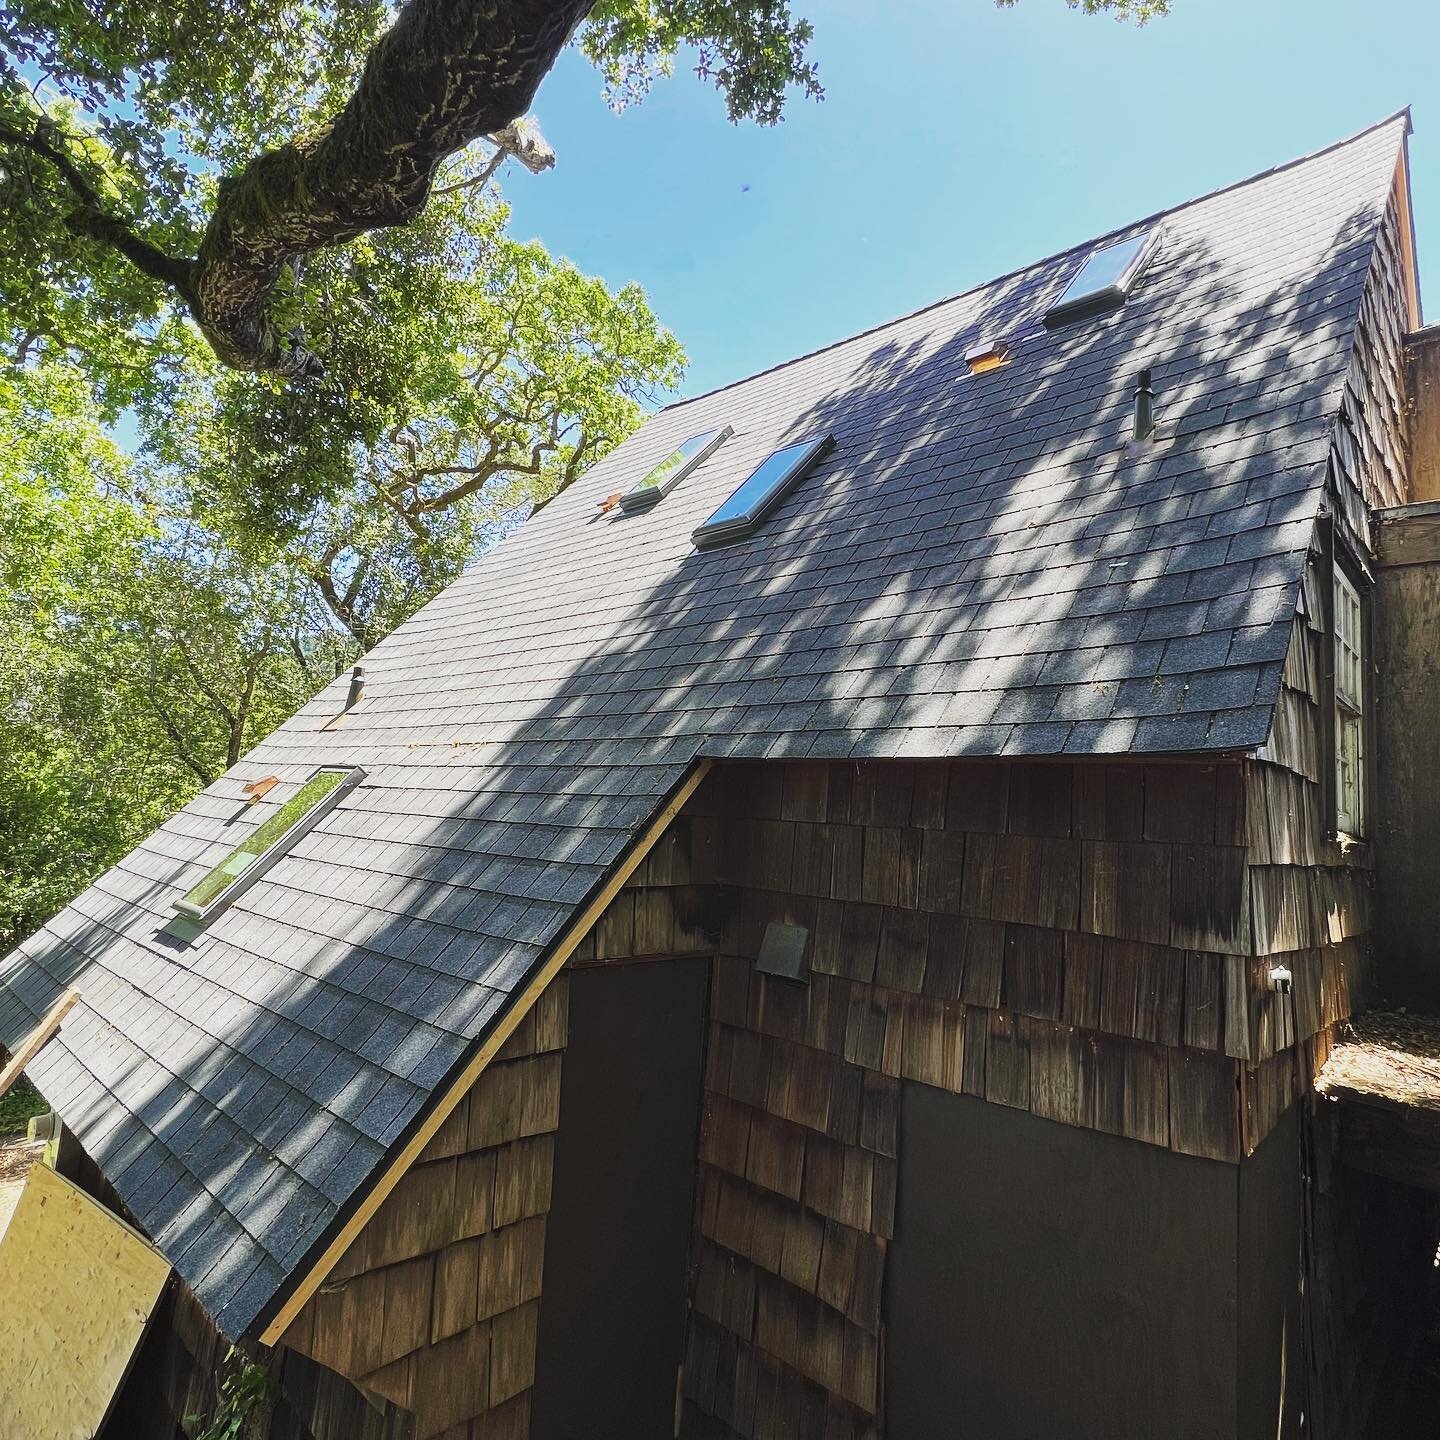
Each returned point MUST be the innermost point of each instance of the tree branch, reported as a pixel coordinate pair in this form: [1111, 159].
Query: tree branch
[90, 219]
[445, 74]
[177, 739]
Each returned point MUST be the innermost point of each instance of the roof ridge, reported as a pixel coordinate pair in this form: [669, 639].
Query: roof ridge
[1403, 112]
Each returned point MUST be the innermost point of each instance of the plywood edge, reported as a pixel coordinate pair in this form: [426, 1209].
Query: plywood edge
[52, 1179]
[85, 1288]
[520, 1005]
[1408, 536]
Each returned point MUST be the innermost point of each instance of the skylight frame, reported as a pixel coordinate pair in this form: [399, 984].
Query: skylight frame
[1079, 304]
[642, 496]
[715, 531]
[274, 848]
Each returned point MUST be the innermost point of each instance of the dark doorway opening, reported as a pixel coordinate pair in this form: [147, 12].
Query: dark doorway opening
[612, 1313]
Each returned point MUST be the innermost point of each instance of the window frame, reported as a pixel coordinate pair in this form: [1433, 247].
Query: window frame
[711, 532]
[1349, 701]
[275, 850]
[1110, 297]
[636, 500]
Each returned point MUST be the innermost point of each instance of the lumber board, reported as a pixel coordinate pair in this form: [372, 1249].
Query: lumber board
[35, 1041]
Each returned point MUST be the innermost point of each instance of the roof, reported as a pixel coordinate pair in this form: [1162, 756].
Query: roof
[979, 567]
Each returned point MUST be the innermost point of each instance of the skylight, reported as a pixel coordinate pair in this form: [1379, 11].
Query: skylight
[268, 842]
[673, 469]
[1105, 279]
[765, 487]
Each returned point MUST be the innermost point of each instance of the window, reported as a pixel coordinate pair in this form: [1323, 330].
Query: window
[762, 490]
[673, 469]
[1349, 623]
[1105, 279]
[267, 843]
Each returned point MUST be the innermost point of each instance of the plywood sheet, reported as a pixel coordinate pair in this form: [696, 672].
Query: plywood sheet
[77, 1287]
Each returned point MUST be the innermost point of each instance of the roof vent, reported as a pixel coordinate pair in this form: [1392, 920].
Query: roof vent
[1144, 407]
[987, 355]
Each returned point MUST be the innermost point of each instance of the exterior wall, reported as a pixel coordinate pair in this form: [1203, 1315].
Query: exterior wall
[1370, 1266]
[1047, 1281]
[1086, 942]
[1376, 468]
[434, 1306]
[1310, 897]
[1422, 386]
[1407, 606]
[617, 1242]
[178, 1370]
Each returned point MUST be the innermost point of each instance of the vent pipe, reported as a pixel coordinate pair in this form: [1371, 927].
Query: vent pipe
[357, 687]
[1144, 407]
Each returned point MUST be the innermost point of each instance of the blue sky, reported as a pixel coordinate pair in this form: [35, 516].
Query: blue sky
[957, 141]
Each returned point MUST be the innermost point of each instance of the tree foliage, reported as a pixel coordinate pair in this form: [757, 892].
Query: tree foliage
[163, 154]
[163, 608]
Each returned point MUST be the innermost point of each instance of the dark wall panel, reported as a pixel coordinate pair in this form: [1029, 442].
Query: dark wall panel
[1049, 1281]
[1271, 1378]
[613, 1309]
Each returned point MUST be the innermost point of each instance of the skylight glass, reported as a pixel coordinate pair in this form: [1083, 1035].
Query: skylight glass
[1105, 279]
[764, 488]
[673, 469]
[268, 842]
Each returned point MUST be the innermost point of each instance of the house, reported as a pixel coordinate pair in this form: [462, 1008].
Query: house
[829, 931]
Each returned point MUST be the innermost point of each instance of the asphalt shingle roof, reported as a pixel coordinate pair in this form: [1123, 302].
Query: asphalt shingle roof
[981, 566]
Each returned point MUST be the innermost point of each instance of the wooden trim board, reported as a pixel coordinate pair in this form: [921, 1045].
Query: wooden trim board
[1407, 235]
[34, 1042]
[1408, 536]
[520, 1006]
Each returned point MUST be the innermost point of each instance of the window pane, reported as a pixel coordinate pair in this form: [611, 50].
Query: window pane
[1348, 758]
[761, 482]
[1106, 276]
[762, 488]
[265, 837]
[1105, 267]
[1349, 642]
[673, 468]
